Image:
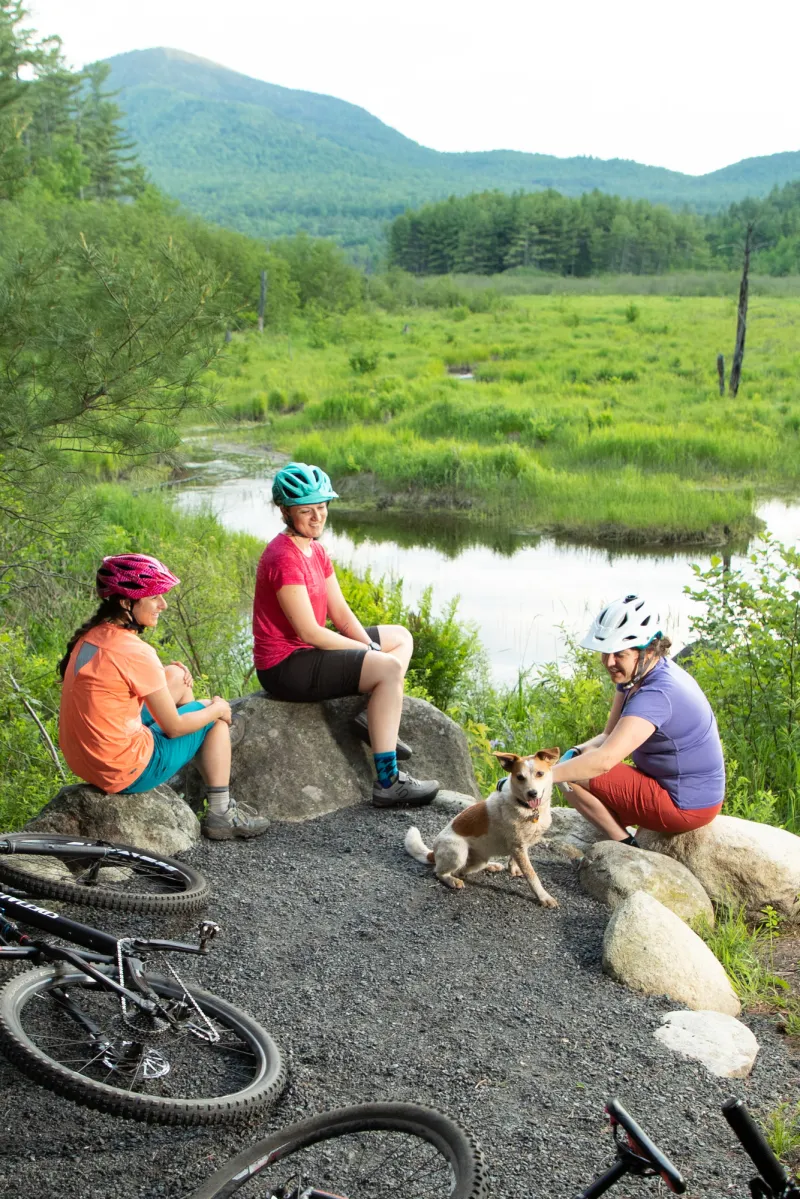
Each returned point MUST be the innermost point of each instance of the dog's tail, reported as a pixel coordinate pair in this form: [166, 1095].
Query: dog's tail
[417, 847]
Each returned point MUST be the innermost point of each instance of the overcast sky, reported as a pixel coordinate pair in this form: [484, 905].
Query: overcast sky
[691, 84]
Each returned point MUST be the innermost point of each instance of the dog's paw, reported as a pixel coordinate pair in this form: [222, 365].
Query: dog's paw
[454, 883]
[547, 901]
[514, 870]
[494, 868]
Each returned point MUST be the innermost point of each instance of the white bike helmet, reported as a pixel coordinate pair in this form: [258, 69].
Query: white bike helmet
[629, 623]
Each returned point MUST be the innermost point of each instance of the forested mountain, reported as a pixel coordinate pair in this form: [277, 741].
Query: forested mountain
[270, 160]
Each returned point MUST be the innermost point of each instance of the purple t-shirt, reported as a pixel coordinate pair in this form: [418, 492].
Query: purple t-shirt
[684, 754]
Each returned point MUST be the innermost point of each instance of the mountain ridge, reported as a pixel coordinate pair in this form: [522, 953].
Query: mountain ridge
[271, 160]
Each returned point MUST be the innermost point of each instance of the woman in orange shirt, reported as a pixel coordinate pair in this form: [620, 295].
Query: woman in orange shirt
[127, 723]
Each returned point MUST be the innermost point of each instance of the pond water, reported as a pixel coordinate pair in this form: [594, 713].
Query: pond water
[523, 593]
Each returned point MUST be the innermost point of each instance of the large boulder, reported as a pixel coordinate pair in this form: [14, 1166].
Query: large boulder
[157, 820]
[298, 761]
[650, 949]
[724, 1045]
[739, 862]
[611, 871]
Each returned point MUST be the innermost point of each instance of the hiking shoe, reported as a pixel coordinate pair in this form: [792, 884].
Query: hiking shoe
[405, 792]
[238, 821]
[361, 729]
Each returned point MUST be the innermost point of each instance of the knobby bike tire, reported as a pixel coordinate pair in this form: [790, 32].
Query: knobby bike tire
[168, 886]
[467, 1172]
[28, 1009]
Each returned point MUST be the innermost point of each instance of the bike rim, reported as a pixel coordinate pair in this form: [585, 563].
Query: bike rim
[205, 1054]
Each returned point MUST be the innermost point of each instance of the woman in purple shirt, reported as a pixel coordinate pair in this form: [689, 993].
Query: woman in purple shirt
[661, 719]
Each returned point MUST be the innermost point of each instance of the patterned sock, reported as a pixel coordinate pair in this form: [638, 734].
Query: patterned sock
[386, 768]
[219, 799]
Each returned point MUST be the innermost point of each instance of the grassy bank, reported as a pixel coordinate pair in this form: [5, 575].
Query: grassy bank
[592, 416]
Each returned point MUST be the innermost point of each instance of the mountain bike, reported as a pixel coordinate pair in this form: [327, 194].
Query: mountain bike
[404, 1151]
[98, 1026]
[100, 874]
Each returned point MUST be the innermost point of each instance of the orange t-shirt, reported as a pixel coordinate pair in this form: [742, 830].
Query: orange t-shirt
[110, 673]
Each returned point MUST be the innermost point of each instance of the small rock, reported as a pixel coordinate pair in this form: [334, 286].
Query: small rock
[725, 1046]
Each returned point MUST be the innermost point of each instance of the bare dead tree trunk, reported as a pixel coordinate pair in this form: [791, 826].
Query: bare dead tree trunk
[262, 301]
[741, 319]
[721, 373]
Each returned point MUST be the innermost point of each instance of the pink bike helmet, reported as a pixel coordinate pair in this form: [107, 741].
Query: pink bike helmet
[135, 576]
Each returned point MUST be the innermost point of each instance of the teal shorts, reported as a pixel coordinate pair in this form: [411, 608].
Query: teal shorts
[170, 754]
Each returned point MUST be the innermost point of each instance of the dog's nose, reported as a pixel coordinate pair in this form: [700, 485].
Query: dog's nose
[532, 794]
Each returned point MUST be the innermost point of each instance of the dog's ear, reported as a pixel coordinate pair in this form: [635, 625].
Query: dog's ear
[507, 760]
[550, 755]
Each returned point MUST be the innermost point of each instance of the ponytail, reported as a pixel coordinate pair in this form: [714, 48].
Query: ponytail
[110, 609]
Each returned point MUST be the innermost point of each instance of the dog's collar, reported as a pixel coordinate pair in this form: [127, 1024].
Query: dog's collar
[502, 783]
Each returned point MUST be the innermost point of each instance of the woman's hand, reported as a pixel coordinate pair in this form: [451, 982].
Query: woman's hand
[222, 709]
[188, 681]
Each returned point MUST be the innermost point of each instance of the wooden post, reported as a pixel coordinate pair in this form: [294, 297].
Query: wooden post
[721, 373]
[741, 318]
[262, 301]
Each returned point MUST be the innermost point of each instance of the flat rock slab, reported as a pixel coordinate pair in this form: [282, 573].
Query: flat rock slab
[725, 1046]
[739, 862]
[157, 820]
[650, 949]
[611, 871]
[296, 762]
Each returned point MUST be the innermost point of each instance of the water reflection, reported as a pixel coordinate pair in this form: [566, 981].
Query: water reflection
[524, 593]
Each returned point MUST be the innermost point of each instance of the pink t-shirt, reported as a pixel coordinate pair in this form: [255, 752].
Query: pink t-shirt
[284, 565]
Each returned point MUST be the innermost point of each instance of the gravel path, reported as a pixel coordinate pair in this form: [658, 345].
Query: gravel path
[379, 983]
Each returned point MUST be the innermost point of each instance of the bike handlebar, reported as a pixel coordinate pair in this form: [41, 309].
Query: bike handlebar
[755, 1145]
[644, 1147]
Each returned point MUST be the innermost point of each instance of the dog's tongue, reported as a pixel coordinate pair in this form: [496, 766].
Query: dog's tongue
[533, 804]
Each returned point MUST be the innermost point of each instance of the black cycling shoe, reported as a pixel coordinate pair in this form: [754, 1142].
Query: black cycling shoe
[361, 729]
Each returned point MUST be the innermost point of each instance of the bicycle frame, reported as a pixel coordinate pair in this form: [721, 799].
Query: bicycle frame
[99, 948]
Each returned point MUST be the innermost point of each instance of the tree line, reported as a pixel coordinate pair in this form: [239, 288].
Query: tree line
[593, 234]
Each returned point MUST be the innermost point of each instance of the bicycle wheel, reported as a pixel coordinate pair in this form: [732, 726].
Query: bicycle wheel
[98, 874]
[215, 1065]
[372, 1151]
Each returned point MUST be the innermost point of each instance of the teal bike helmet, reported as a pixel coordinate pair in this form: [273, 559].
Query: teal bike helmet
[298, 483]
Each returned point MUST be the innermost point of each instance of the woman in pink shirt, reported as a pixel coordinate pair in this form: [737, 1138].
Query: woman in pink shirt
[298, 659]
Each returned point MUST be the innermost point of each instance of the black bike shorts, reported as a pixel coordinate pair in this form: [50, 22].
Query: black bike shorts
[310, 675]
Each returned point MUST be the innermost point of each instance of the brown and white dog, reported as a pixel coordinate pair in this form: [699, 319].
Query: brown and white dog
[504, 825]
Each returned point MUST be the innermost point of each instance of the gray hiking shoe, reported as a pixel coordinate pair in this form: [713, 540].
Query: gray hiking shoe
[238, 821]
[361, 729]
[405, 792]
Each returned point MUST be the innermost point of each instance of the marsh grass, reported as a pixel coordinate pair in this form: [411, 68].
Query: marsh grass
[577, 418]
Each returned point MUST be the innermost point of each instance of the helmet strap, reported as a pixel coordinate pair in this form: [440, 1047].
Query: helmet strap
[131, 622]
[641, 668]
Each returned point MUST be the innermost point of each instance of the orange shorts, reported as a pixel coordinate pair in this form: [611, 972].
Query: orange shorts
[635, 798]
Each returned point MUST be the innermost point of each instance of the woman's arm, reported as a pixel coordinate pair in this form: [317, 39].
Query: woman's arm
[177, 724]
[628, 734]
[296, 606]
[613, 717]
[340, 613]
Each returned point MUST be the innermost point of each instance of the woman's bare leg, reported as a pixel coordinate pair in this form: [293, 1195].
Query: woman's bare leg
[397, 641]
[214, 757]
[382, 676]
[595, 811]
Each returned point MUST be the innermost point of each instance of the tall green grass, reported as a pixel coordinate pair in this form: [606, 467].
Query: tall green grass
[571, 396]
